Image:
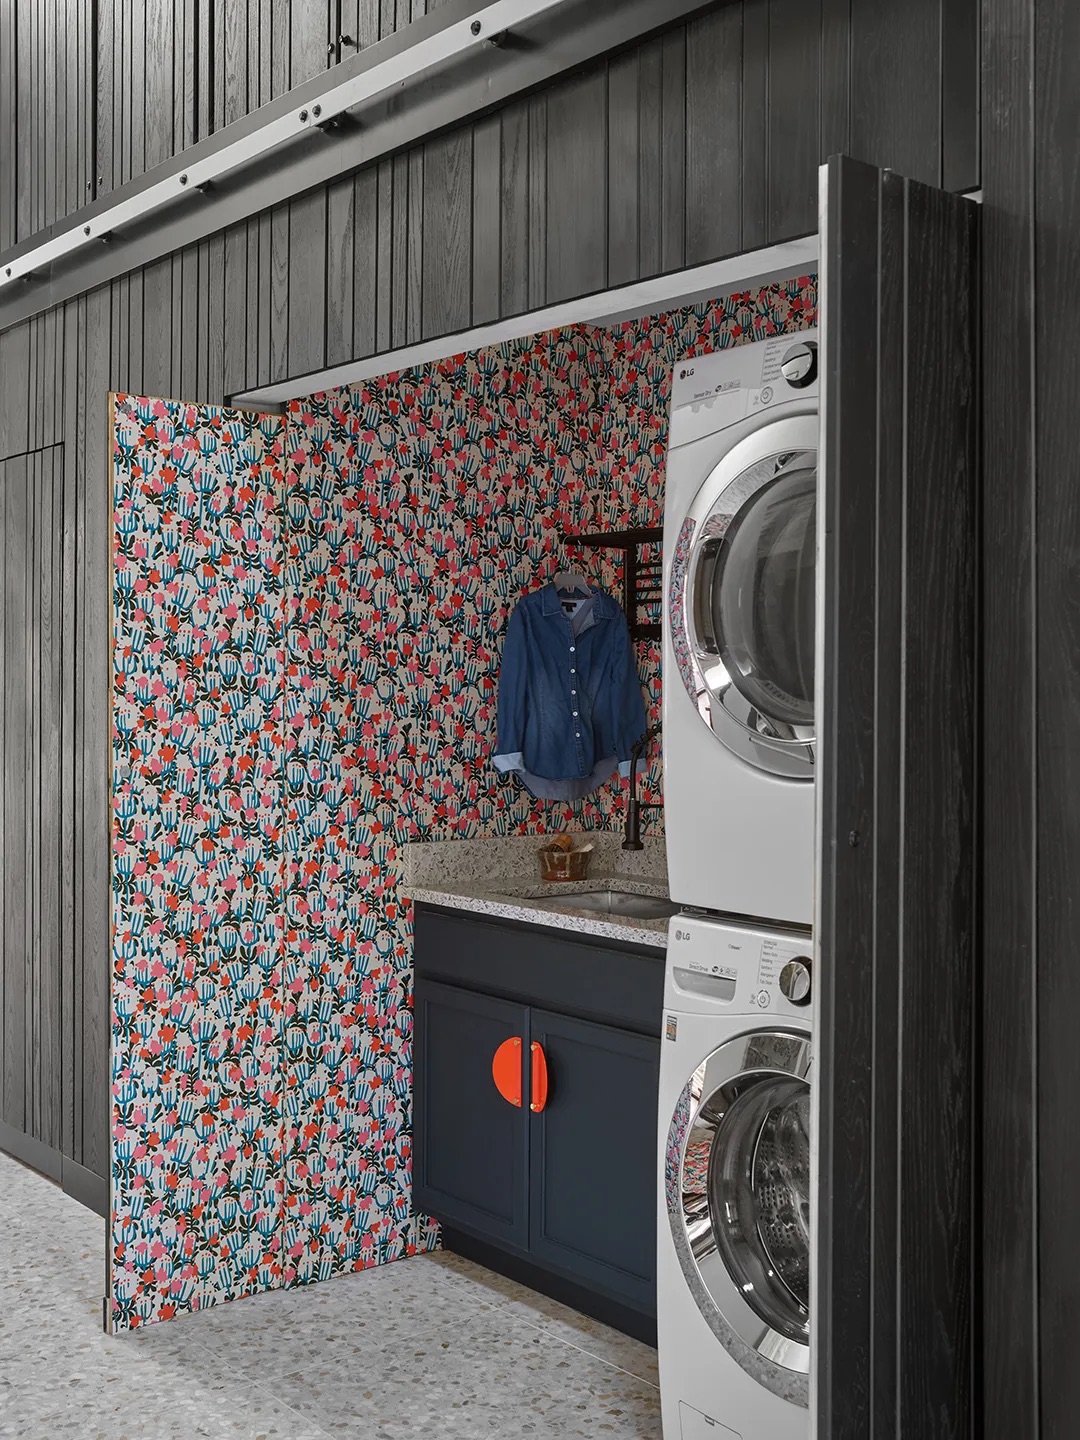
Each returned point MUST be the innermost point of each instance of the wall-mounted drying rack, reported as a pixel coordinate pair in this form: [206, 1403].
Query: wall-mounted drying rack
[643, 580]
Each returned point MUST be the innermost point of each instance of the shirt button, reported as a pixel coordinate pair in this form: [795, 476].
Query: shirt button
[575, 714]
[577, 734]
[572, 670]
[571, 649]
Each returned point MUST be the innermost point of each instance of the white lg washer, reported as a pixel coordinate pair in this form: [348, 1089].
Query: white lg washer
[734, 1194]
[739, 552]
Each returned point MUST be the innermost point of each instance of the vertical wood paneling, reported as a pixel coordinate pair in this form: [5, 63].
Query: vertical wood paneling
[650, 142]
[1055, 211]
[366, 250]
[157, 302]
[514, 209]
[935, 1180]
[235, 309]
[15, 392]
[340, 271]
[399, 250]
[896, 87]
[713, 135]
[33, 800]
[835, 77]
[794, 107]
[896, 931]
[577, 187]
[307, 284]
[447, 214]
[160, 80]
[27, 150]
[16, 546]
[846, 878]
[536, 224]
[414, 258]
[623, 169]
[9, 179]
[486, 219]
[51, 624]
[673, 150]
[384, 250]
[309, 36]
[95, 610]
[960, 88]
[68, 766]
[1009, 1295]
[755, 124]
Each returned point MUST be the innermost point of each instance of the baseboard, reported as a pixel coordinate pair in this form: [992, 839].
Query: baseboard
[31, 1152]
[75, 1180]
[568, 1292]
[90, 1189]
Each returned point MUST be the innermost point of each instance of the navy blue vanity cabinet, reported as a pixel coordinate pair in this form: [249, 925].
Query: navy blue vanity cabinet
[560, 1191]
[592, 1157]
[470, 1146]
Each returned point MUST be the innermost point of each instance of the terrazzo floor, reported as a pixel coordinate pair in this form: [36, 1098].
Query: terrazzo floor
[432, 1346]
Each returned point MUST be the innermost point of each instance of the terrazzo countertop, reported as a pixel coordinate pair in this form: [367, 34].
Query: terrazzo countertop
[501, 876]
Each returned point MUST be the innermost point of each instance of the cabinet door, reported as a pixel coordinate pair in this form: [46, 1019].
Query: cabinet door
[593, 1157]
[470, 1162]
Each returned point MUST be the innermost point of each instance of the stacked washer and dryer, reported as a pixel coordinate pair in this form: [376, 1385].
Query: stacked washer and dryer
[734, 1142]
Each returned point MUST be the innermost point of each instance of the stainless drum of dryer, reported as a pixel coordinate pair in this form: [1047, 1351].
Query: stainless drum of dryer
[739, 630]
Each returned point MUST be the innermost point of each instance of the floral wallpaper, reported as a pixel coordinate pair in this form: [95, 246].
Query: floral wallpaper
[308, 622]
[198, 728]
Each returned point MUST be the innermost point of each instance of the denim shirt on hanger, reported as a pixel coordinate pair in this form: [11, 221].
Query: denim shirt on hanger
[570, 703]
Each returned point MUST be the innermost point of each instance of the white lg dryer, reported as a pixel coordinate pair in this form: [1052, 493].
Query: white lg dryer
[739, 552]
[733, 1229]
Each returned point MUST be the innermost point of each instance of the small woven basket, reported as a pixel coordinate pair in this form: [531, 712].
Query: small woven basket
[559, 864]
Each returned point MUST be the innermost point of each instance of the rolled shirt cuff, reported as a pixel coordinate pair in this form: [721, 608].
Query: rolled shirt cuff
[514, 760]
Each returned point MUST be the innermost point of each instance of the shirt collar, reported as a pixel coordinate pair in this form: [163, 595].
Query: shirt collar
[603, 605]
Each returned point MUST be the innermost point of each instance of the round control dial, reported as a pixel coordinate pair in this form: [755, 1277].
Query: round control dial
[799, 366]
[795, 980]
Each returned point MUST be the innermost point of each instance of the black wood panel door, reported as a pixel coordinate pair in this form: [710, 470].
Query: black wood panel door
[470, 1161]
[593, 1157]
[894, 1233]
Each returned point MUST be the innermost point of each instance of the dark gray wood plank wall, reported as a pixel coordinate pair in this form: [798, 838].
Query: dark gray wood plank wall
[95, 92]
[36, 1097]
[896, 984]
[726, 123]
[518, 210]
[695, 145]
[1009, 1284]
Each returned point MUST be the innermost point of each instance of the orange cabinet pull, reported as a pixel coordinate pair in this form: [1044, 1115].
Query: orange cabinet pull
[506, 1070]
[539, 1077]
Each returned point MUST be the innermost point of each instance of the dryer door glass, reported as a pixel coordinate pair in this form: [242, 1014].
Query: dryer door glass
[743, 607]
[762, 597]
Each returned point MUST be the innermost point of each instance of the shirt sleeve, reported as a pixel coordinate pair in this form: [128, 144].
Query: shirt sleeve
[628, 721]
[510, 725]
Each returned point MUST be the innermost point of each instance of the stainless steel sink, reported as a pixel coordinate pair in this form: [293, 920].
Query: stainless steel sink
[618, 902]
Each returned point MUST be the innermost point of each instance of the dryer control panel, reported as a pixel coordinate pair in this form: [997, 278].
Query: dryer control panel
[741, 969]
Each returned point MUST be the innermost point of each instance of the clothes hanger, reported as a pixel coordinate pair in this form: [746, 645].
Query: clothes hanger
[571, 580]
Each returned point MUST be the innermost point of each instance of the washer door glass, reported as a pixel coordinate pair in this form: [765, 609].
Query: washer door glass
[748, 610]
[759, 1200]
[739, 1191]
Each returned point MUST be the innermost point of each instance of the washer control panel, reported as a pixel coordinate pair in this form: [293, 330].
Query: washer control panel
[749, 970]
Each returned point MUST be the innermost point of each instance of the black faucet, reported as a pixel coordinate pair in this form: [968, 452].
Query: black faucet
[634, 806]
